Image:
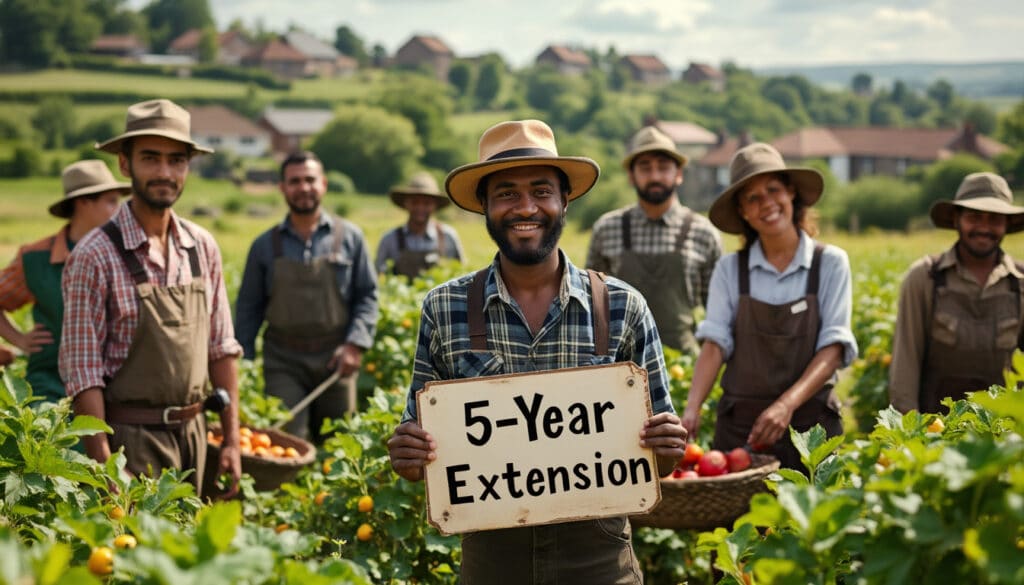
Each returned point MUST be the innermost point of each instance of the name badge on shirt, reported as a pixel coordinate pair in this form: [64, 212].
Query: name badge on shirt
[798, 307]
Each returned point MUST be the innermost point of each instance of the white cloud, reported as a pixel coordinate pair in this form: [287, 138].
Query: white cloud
[638, 16]
[921, 18]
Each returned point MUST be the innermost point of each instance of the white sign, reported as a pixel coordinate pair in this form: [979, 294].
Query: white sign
[539, 448]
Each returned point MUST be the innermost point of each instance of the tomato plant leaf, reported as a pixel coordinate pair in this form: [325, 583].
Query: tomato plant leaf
[216, 527]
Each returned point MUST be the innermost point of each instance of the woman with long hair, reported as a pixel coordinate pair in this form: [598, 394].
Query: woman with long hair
[778, 314]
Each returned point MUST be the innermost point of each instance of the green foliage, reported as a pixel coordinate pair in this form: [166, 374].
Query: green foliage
[1011, 126]
[942, 179]
[370, 145]
[877, 201]
[40, 33]
[55, 121]
[349, 43]
[338, 182]
[490, 79]
[170, 18]
[26, 161]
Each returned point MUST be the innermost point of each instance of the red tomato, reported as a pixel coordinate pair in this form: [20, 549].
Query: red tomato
[712, 463]
[739, 459]
[692, 455]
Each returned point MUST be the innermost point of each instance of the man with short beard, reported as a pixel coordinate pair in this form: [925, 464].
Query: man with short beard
[961, 313]
[310, 278]
[665, 250]
[147, 322]
[532, 310]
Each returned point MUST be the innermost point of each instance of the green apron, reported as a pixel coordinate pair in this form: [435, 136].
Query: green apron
[43, 279]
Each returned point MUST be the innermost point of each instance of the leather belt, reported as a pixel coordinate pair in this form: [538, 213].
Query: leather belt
[152, 415]
[305, 344]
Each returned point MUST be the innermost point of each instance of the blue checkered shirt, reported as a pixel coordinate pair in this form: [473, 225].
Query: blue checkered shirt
[565, 340]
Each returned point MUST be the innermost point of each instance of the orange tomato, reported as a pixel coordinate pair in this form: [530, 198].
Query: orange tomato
[365, 504]
[277, 450]
[320, 498]
[364, 532]
[244, 432]
[936, 426]
[281, 528]
[101, 561]
[291, 452]
[261, 440]
[125, 541]
[116, 513]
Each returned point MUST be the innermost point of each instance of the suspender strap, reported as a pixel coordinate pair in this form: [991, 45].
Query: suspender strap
[601, 312]
[130, 260]
[684, 231]
[599, 305]
[627, 243]
[275, 239]
[400, 233]
[814, 276]
[475, 307]
[744, 271]
[278, 242]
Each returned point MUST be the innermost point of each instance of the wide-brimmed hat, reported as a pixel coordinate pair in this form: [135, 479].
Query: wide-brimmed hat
[752, 161]
[155, 118]
[650, 139]
[422, 183]
[981, 192]
[85, 177]
[521, 143]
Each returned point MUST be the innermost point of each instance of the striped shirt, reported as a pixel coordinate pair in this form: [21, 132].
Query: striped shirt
[565, 340]
[702, 248]
[101, 308]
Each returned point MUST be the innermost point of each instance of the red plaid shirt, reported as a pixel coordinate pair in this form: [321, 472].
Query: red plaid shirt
[101, 310]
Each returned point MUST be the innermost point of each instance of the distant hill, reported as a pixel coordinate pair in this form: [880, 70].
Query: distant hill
[976, 80]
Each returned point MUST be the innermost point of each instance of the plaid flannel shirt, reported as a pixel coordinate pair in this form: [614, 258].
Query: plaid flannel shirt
[565, 340]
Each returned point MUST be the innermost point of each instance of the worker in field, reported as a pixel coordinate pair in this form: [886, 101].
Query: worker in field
[91, 196]
[423, 241]
[311, 280]
[663, 249]
[960, 312]
[532, 310]
[778, 314]
[147, 325]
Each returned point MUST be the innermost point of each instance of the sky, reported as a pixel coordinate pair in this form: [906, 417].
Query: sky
[751, 33]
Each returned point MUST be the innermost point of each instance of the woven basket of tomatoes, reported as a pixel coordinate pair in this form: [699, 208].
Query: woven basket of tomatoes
[709, 490]
[270, 456]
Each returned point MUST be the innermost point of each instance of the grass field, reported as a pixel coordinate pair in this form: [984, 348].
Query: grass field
[72, 80]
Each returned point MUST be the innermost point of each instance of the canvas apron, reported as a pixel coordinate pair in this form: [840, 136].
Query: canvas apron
[43, 280]
[306, 322]
[595, 552]
[970, 343]
[661, 279]
[773, 346]
[411, 263]
[164, 374]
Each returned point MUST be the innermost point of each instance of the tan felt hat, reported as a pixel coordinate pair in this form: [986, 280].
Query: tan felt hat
[981, 192]
[650, 139]
[155, 118]
[85, 177]
[422, 183]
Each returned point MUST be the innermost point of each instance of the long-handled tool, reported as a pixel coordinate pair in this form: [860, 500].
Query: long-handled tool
[309, 398]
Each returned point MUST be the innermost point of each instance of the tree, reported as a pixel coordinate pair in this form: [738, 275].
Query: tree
[1011, 126]
[55, 120]
[379, 55]
[208, 45]
[982, 117]
[170, 18]
[942, 179]
[40, 33]
[460, 75]
[349, 43]
[861, 84]
[942, 93]
[488, 82]
[372, 146]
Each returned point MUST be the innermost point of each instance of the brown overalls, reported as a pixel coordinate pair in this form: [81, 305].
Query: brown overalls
[154, 402]
[591, 552]
[773, 346]
[307, 320]
[411, 263]
[970, 343]
[661, 279]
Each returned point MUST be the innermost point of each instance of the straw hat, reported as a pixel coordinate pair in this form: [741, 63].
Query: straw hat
[982, 192]
[155, 118]
[518, 144]
[754, 160]
[85, 177]
[650, 139]
[422, 183]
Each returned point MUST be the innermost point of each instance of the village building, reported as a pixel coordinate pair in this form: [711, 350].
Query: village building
[290, 128]
[698, 73]
[565, 60]
[426, 52]
[647, 69]
[226, 130]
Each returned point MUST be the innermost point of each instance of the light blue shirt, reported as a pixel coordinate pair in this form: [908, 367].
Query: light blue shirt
[768, 285]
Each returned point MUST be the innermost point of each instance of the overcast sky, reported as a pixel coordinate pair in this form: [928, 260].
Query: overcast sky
[750, 32]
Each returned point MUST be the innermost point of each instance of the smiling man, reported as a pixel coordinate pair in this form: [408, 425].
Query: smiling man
[663, 249]
[146, 322]
[310, 278]
[960, 312]
[532, 310]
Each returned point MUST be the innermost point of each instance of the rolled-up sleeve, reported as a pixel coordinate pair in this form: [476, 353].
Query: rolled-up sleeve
[648, 354]
[222, 330]
[363, 295]
[723, 299]
[84, 329]
[836, 304]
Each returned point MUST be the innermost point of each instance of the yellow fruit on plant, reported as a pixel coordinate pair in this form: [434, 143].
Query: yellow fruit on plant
[125, 541]
[364, 532]
[936, 426]
[281, 528]
[327, 466]
[101, 561]
[883, 460]
[407, 322]
[116, 513]
[887, 359]
[320, 498]
[370, 367]
[365, 504]
[677, 372]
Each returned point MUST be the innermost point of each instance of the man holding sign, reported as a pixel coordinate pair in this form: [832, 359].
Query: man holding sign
[533, 311]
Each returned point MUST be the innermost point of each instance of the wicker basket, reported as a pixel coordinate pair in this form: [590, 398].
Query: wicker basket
[268, 472]
[706, 503]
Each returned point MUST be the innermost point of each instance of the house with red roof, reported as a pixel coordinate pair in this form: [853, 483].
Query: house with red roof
[426, 52]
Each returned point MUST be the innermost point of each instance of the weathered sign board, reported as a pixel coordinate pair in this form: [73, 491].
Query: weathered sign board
[539, 448]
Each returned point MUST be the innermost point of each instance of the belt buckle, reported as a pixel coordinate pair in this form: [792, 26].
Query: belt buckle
[167, 412]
